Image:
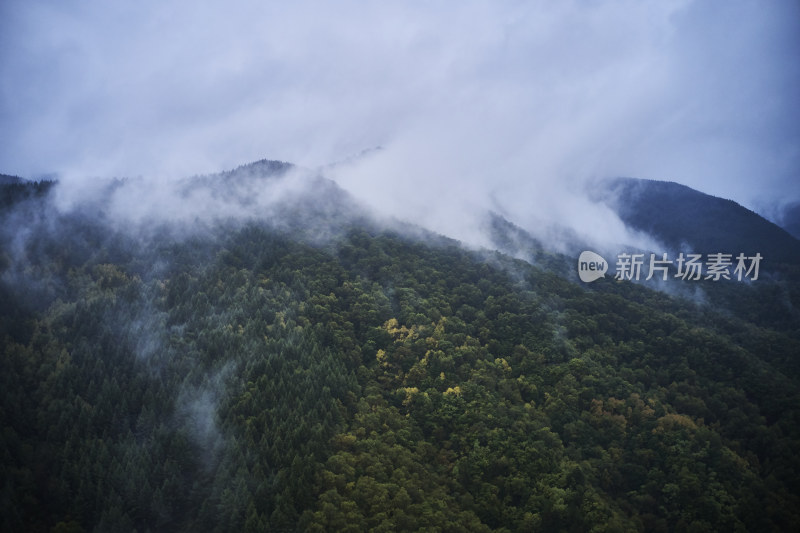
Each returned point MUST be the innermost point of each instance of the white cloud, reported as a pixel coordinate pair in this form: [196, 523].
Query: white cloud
[474, 102]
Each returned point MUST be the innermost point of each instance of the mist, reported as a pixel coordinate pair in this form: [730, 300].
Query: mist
[480, 105]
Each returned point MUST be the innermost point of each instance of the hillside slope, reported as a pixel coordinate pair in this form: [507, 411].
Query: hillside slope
[256, 376]
[682, 217]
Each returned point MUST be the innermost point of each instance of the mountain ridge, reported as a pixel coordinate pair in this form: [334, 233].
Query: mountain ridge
[678, 215]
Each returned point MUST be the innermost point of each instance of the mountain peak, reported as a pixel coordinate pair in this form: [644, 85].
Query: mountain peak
[682, 217]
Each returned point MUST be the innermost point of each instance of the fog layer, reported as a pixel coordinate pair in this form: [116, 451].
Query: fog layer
[478, 104]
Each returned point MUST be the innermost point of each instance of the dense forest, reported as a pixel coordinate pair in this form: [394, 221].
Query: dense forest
[247, 377]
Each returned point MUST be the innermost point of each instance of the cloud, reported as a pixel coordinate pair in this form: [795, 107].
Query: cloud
[504, 104]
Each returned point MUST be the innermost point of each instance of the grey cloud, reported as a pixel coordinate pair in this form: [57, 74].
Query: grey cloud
[478, 104]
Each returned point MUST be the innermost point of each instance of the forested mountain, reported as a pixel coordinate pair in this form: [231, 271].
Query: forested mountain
[5, 179]
[296, 365]
[680, 217]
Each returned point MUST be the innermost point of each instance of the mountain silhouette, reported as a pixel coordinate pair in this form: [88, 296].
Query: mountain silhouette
[688, 220]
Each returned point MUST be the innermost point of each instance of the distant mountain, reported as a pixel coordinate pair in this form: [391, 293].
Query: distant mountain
[686, 219]
[297, 199]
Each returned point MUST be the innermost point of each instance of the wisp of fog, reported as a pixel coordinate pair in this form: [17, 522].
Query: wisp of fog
[509, 106]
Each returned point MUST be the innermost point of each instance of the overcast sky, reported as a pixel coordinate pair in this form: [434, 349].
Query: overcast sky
[510, 101]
